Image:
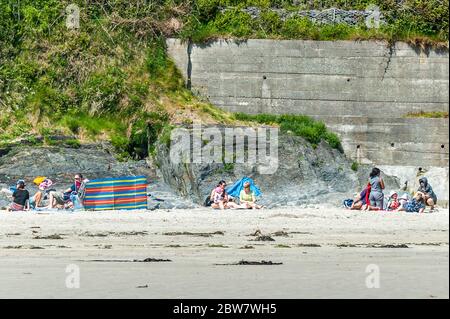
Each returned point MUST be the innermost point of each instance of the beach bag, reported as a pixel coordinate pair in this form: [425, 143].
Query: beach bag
[208, 201]
[348, 203]
[77, 204]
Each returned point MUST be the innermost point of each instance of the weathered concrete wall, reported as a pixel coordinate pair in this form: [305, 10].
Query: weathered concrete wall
[361, 90]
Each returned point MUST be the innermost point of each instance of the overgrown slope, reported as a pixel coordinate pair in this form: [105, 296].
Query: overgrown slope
[111, 79]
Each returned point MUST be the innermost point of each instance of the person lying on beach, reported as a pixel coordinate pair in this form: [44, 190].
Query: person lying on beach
[20, 198]
[61, 199]
[430, 197]
[415, 205]
[393, 202]
[247, 198]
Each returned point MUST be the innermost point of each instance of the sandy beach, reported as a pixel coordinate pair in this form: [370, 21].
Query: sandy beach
[316, 253]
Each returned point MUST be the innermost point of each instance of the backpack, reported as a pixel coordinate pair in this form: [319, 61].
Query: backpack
[208, 201]
[348, 203]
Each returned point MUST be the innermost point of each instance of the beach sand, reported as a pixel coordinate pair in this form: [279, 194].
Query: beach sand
[325, 253]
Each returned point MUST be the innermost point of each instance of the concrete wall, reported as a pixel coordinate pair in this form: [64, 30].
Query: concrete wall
[361, 90]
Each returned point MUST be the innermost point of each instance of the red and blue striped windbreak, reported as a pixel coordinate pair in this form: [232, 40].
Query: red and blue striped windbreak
[128, 192]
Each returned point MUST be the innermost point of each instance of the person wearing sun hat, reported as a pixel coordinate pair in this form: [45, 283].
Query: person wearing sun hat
[20, 197]
[403, 199]
[38, 200]
[393, 202]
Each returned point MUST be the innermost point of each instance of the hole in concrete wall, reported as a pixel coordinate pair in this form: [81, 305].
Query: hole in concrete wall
[264, 77]
[348, 80]
[420, 169]
[392, 144]
[442, 145]
[358, 146]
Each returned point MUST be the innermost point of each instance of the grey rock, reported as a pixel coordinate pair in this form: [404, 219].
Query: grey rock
[326, 16]
[305, 175]
[93, 161]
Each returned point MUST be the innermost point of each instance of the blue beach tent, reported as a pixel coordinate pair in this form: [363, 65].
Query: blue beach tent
[235, 189]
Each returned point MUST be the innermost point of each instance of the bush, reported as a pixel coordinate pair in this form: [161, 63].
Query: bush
[299, 28]
[300, 125]
[103, 91]
[156, 60]
[235, 23]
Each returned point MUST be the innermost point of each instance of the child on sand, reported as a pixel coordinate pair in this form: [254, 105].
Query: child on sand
[219, 198]
[393, 202]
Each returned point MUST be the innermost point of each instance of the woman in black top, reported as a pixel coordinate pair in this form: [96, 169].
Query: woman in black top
[21, 198]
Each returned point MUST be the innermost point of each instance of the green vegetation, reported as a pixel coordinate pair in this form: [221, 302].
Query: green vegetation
[111, 79]
[355, 166]
[423, 114]
[421, 22]
[299, 125]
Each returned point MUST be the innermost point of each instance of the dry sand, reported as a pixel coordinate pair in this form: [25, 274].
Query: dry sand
[324, 254]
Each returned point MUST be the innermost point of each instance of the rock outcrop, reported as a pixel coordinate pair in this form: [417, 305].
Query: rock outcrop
[306, 175]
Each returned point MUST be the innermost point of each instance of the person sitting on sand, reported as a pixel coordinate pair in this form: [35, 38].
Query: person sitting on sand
[211, 196]
[59, 199]
[247, 198]
[393, 202]
[220, 199]
[360, 200]
[20, 198]
[429, 195]
[39, 199]
[415, 205]
[403, 200]
[376, 196]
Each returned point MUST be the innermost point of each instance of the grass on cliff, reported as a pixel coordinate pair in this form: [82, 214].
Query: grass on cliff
[111, 78]
[423, 114]
[420, 22]
[299, 125]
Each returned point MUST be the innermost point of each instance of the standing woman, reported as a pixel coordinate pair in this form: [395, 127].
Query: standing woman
[376, 190]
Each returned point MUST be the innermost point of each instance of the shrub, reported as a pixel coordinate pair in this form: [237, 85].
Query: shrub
[300, 125]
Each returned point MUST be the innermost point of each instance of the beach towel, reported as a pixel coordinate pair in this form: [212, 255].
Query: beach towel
[235, 189]
[128, 192]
